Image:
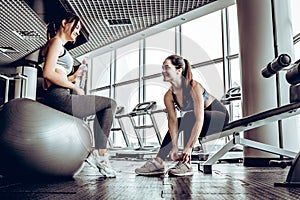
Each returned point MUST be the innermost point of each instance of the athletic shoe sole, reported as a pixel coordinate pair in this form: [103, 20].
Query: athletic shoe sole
[184, 174]
[102, 171]
[154, 173]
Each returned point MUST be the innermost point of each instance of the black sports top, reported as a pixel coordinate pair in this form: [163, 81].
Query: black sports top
[188, 105]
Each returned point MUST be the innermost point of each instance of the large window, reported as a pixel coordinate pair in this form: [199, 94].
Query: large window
[100, 72]
[295, 6]
[158, 47]
[211, 77]
[127, 96]
[296, 26]
[233, 30]
[297, 50]
[127, 69]
[127, 63]
[202, 38]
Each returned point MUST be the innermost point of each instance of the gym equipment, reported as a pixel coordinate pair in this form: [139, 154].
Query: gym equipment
[141, 109]
[280, 163]
[36, 139]
[247, 123]
[119, 113]
[276, 65]
[13, 77]
[293, 177]
[294, 93]
[199, 154]
[26, 89]
[293, 75]
[231, 95]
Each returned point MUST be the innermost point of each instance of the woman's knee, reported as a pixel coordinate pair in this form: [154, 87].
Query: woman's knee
[113, 105]
[188, 116]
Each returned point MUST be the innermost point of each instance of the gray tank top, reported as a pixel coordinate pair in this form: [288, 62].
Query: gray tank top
[64, 62]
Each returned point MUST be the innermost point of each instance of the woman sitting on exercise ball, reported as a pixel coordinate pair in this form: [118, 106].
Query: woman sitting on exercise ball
[204, 114]
[62, 94]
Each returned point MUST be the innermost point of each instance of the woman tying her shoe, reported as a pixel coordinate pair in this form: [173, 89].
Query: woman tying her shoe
[57, 64]
[204, 115]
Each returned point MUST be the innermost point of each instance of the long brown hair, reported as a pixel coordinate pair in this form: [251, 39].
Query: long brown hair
[187, 76]
[180, 62]
[53, 26]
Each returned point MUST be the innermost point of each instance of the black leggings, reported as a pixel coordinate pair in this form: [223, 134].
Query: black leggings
[215, 118]
[83, 106]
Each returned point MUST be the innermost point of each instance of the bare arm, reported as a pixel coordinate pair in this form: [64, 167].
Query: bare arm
[72, 78]
[172, 124]
[52, 74]
[197, 97]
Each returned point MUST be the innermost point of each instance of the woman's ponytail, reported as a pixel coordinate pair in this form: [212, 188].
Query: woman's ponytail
[53, 27]
[51, 30]
[187, 72]
[187, 76]
[184, 64]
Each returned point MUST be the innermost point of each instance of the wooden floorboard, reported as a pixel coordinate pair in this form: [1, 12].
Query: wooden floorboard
[228, 181]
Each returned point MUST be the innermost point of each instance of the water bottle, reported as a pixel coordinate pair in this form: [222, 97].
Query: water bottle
[84, 75]
[81, 77]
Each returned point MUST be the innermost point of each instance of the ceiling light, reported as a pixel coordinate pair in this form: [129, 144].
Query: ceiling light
[27, 34]
[8, 50]
[118, 22]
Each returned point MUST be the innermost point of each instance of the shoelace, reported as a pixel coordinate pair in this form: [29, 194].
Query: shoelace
[104, 161]
[177, 166]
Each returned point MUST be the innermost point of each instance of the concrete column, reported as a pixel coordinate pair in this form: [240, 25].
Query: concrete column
[290, 127]
[257, 49]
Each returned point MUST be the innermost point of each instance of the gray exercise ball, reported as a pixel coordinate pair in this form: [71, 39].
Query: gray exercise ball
[35, 138]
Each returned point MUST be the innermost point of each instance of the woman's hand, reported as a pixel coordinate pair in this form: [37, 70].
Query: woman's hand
[174, 154]
[76, 74]
[187, 155]
[78, 91]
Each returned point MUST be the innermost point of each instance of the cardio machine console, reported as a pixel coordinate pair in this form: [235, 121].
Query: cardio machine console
[143, 107]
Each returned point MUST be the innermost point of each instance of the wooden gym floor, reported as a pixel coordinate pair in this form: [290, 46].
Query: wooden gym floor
[228, 181]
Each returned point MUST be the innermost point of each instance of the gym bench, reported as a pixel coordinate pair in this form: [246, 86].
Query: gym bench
[234, 128]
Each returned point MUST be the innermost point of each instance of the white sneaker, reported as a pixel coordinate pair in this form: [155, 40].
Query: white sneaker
[102, 163]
